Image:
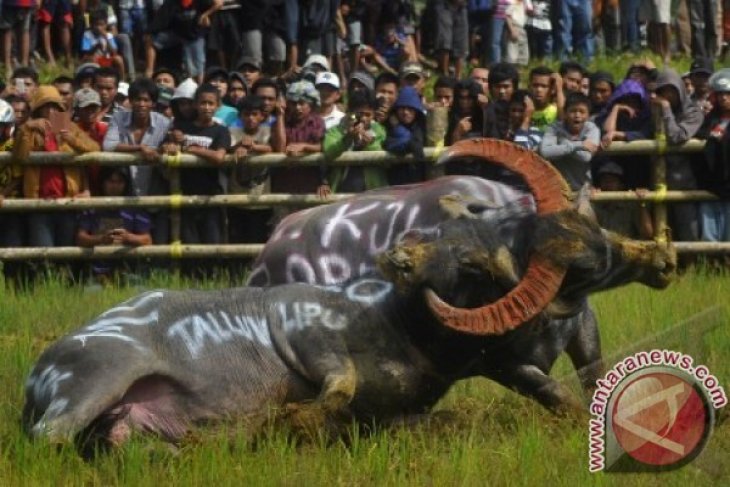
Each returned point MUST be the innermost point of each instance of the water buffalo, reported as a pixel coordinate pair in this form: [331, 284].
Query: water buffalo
[376, 348]
[333, 243]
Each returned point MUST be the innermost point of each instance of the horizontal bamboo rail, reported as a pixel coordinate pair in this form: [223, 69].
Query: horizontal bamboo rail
[176, 201]
[228, 251]
[370, 158]
[240, 200]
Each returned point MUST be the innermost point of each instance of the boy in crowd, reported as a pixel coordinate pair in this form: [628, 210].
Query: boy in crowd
[358, 131]
[86, 111]
[572, 74]
[546, 92]
[226, 115]
[249, 225]
[600, 90]
[443, 92]
[569, 144]
[522, 130]
[503, 81]
[21, 109]
[98, 44]
[23, 82]
[207, 139]
[386, 92]
[328, 85]
[268, 90]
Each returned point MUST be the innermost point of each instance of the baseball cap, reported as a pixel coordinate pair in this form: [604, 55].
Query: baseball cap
[86, 69]
[216, 72]
[248, 61]
[317, 60]
[123, 89]
[720, 81]
[302, 91]
[410, 68]
[86, 97]
[702, 66]
[186, 89]
[365, 78]
[611, 168]
[327, 78]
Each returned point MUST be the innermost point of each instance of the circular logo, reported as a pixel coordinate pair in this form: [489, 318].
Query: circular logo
[661, 418]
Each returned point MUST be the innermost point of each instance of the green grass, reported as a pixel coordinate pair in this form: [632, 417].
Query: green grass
[495, 437]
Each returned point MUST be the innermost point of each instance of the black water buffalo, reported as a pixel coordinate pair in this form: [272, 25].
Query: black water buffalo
[374, 349]
[333, 243]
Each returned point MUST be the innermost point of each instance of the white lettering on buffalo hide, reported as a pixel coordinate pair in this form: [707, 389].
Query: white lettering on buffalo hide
[111, 323]
[343, 218]
[306, 314]
[299, 269]
[335, 269]
[368, 291]
[44, 388]
[218, 327]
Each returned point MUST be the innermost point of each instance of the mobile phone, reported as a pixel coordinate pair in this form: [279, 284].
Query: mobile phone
[20, 86]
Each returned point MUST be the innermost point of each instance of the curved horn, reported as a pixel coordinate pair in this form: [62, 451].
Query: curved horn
[542, 279]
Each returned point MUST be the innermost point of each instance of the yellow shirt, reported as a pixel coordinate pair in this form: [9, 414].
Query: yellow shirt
[541, 119]
[9, 172]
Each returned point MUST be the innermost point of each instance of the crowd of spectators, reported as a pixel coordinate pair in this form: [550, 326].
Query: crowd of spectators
[246, 77]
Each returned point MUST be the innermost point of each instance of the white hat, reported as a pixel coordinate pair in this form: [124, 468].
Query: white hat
[123, 88]
[186, 89]
[327, 78]
[720, 81]
[317, 59]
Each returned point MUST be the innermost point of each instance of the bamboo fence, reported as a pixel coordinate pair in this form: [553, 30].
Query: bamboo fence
[659, 197]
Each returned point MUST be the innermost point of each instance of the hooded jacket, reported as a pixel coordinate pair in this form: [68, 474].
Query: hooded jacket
[407, 139]
[682, 122]
[636, 128]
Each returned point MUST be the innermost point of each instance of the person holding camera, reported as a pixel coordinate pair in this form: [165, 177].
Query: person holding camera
[357, 131]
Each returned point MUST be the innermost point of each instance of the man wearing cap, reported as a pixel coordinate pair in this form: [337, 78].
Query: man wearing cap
[84, 75]
[250, 69]
[86, 106]
[699, 74]
[51, 182]
[301, 129]
[315, 64]
[328, 86]
[360, 81]
[412, 74]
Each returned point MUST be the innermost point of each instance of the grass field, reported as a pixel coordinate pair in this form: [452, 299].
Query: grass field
[495, 437]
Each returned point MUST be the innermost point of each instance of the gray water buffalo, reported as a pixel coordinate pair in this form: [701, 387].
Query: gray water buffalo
[331, 244]
[374, 349]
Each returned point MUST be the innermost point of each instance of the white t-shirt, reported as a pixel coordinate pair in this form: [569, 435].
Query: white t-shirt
[333, 119]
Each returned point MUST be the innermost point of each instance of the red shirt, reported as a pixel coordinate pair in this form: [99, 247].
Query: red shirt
[52, 178]
[96, 131]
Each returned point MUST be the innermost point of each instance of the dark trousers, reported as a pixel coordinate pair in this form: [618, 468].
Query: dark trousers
[702, 15]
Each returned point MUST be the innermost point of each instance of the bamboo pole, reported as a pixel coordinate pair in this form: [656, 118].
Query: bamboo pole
[368, 158]
[659, 179]
[268, 200]
[228, 251]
